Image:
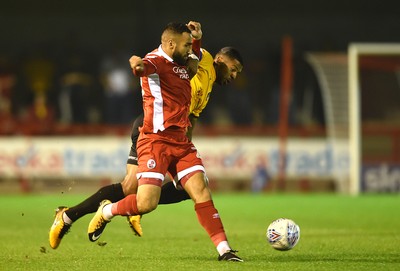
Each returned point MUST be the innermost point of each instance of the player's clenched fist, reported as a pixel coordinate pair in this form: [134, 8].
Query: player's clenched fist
[195, 28]
[136, 63]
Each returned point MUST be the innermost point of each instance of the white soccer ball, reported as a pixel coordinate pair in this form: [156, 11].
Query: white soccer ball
[283, 234]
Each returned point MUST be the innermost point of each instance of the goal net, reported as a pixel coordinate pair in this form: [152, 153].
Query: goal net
[331, 70]
[374, 117]
[361, 98]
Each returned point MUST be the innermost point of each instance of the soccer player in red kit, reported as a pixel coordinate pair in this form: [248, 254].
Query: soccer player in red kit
[163, 146]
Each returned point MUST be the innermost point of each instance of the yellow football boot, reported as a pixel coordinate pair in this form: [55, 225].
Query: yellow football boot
[59, 228]
[98, 222]
[134, 223]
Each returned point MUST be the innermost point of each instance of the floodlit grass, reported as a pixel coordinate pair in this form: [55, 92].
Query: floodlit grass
[337, 233]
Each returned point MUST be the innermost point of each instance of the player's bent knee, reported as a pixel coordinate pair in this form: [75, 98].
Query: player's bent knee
[148, 194]
[146, 203]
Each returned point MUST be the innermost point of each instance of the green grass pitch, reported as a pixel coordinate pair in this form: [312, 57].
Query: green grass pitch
[337, 233]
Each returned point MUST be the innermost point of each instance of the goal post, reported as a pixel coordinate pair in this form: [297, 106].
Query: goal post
[355, 50]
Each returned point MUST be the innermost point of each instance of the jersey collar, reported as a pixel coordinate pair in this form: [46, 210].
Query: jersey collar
[164, 54]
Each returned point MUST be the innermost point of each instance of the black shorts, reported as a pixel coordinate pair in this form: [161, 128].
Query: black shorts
[133, 159]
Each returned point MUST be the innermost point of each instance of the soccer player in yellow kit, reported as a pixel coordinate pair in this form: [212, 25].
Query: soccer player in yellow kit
[221, 69]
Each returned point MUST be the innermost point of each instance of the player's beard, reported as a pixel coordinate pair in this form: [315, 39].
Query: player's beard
[179, 58]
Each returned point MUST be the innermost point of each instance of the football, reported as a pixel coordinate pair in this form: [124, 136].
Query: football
[283, 234]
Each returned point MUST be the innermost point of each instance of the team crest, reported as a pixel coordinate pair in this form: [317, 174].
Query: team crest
[151, 164]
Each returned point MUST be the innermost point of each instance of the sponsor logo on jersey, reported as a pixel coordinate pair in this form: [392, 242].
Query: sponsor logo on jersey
[182, 72]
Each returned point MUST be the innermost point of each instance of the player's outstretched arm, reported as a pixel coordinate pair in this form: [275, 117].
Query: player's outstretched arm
[137, 65]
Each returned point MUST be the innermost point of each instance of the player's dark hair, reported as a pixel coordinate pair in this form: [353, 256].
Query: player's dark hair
[231, 53]
[177, 28]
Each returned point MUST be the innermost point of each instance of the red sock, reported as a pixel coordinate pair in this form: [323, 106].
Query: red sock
[126, 206]
[209, 218]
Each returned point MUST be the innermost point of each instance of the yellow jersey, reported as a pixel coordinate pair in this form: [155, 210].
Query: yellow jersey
[202, 83]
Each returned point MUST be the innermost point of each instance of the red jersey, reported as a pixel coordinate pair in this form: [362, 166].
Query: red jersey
[166, 93]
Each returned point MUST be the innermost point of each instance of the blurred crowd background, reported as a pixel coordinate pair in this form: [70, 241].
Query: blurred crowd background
[66, 62]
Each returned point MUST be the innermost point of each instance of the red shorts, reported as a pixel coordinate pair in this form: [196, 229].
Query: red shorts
[167, 151]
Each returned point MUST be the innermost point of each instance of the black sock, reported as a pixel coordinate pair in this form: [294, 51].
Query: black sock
[112, 192]
[169, 194]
